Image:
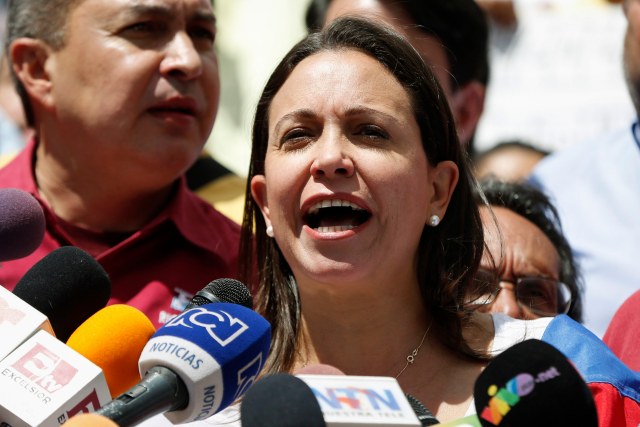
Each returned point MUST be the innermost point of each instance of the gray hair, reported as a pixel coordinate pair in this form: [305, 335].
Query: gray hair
[37, 19]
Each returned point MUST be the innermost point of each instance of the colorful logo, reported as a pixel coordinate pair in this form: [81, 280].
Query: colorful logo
[505, 398]
[45, 368]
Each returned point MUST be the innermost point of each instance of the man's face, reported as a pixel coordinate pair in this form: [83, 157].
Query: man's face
[632, 51]
[136, 84]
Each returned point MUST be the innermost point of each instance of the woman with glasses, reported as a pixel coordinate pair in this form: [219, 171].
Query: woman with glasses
[528, 270]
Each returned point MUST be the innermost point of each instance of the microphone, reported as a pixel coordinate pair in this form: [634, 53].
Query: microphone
[22, 224]
[361, 401]
[280, 400]
[222, 290]
[195, 365]
[113, 339]
[90, 420]
[44, 383]
[68, 285]
[424, 415]
[533, 384]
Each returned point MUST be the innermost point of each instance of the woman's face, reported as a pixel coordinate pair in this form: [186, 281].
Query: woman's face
[347, 186]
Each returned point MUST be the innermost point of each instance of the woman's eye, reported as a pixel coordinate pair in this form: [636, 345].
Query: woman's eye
[295, 135]
[373, 131]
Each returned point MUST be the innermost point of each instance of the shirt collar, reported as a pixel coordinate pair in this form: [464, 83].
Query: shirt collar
[186, 211]
[22, 173]
[192, 216]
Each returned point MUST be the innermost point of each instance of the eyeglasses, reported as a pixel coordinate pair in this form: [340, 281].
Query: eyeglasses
[540, 295]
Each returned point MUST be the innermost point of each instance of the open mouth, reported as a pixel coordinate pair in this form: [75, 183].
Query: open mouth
[335, 215]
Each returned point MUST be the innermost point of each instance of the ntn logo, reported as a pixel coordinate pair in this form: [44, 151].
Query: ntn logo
[356, 398]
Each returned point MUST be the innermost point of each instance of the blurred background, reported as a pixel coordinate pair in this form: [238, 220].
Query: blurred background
[556, 72]
[556, 75]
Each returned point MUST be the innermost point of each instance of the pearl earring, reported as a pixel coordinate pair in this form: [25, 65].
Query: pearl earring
[434, 220]
[269, 231]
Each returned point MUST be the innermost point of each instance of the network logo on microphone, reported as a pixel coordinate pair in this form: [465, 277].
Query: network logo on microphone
[44, 368]
[357, 399]
[362, 399]
[223, 327]
[505, 398]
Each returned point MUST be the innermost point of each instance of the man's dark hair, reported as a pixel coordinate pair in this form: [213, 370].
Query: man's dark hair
[460, 25]
[534, 205]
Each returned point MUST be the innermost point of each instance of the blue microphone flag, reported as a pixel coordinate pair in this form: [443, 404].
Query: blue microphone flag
[218, 349]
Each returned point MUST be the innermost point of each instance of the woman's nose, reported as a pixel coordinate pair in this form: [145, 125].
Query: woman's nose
[332, 160]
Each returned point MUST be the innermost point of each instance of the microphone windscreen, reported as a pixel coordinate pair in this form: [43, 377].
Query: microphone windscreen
[533, 384]
[319, 369]
[280, 400]
[90, 420]
[22, 224]
[223, 290]
[67, 286]
[113, 339]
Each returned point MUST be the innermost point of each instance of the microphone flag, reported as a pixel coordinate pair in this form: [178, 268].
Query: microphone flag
[217, 349]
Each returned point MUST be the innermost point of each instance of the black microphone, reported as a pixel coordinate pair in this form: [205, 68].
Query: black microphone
[68, 286]
[22, 224]
[533, 384]
[280, 400]
[424, 415]
[223, 290]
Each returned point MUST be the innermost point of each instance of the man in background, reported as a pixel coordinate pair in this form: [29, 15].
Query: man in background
[121, 96]
[450, 35]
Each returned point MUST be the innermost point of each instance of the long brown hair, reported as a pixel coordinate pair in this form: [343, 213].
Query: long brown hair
[448, 255]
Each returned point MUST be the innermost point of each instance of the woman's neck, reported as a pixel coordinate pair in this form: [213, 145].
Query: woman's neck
[374, 338]
[362, 334]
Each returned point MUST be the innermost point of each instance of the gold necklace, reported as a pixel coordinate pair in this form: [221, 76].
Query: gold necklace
[411, 357]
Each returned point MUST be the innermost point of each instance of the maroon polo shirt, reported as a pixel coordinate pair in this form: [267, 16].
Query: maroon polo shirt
[156, 269]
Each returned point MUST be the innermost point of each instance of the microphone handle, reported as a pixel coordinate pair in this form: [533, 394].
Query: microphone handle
[160, 391]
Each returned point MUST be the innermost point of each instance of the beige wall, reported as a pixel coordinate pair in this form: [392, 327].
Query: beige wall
[253, 35]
